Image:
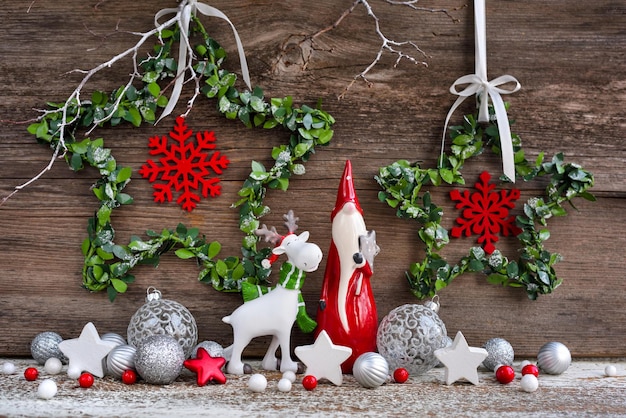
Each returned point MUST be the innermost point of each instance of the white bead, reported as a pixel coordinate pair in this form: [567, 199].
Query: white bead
[47, 389]
[529, 383]
[257, 383]
[289, 375]
[7, 368]
[284, 385]
[610, 370]
[73, 372]
[53, 366]
[524, 363]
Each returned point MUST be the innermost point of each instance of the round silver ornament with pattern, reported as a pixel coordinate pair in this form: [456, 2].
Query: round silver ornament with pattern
[160, 316]
[409, 335]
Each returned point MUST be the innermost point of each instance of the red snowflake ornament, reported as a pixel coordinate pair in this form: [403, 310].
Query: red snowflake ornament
[485, 213]
[185, 166]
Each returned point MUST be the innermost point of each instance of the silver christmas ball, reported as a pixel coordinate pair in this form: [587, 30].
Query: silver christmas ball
[554, 358]
[46, 345]
[500, 353]
[159, 359]
[120, 359]
[214, 349]
[370, 370]
[408, 337]
[114, 338]
[163, 317]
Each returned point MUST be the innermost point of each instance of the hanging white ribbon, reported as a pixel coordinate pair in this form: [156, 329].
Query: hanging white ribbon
[185, 52]
[478, 84]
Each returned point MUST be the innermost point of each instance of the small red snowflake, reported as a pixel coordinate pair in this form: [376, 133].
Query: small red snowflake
[485, 213]
[185, 166]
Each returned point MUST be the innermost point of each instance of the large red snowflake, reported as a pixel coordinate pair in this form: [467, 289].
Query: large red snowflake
[184, 166]
[485, 213]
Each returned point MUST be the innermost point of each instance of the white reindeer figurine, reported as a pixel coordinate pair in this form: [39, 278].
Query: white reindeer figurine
[273, 311]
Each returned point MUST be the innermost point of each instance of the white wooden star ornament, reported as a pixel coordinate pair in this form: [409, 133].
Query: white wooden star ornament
[323, 359]
[86, 352]
[461, 361]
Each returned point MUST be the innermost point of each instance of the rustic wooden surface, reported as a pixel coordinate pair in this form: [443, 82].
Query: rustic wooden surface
[582, 391]
[569, 57]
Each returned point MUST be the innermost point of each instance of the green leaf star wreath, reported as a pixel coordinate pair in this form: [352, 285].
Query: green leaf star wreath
[402, 184]
[107, 264]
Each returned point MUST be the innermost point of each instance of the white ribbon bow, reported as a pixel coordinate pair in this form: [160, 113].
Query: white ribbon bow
[479, 85]
[185, 52]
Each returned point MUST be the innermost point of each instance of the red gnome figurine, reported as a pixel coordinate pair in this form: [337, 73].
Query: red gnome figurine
[347, 310]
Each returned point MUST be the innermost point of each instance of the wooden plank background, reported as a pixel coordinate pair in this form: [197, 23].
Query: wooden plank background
[569, 57]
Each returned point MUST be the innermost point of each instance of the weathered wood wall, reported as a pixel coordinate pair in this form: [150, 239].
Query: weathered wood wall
[569, 57]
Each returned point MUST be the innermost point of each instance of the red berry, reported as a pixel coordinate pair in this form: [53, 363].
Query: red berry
[31, 374]
[505, 374]
[129, 377]
[85, 380]
[401, 375]
[530, 369]
[309, 382]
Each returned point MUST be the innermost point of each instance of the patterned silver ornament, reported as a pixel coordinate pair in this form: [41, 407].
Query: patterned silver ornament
[120, 359]
[554, 358]
[46, 345]
[408, 337]
[114, 338]
[163, 317]
[214, 349]
[159, 359]
[370, 370]
[500, 353]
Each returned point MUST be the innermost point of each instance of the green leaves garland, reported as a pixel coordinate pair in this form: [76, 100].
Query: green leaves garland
[402, 183]
[108, 265]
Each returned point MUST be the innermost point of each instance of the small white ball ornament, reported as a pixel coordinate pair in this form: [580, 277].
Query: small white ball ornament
[610, 370]
[529, 383]
[53, 366]
[554, 358]
[370, 370]
[47, 389]
[257, 383]
[284, 385]
[289, 375]
[7, 368]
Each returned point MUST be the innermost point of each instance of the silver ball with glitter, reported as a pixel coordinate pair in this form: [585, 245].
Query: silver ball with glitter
[159, 359]
[500, 353]
[409, 336]
[120, 359]
[46, 345]
[554, 358]
[212, 348]
[163, 317]
[370, 370]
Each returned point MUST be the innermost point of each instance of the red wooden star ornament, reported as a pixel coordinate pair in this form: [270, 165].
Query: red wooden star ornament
[206, 367]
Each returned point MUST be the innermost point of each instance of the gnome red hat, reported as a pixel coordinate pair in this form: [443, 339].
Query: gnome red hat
[346, 192]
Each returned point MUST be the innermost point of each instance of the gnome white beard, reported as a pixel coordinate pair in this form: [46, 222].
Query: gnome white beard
[348, 225]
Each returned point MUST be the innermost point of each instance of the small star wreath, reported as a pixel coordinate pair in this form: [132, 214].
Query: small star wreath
[107, 264]
[402, 184]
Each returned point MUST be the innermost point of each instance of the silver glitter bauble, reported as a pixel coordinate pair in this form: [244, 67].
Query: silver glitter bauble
[114, 338]
[554, 358]
[408, 337]
[46, 345]
[370, 370]
[163, 317]
[214, 349]
[159, 359]
[500, 353]
[120, 359]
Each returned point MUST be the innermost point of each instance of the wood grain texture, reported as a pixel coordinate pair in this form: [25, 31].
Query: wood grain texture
[568, 56]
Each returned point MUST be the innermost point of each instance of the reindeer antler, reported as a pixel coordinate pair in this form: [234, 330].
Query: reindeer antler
[291, 221]
[270, 234]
